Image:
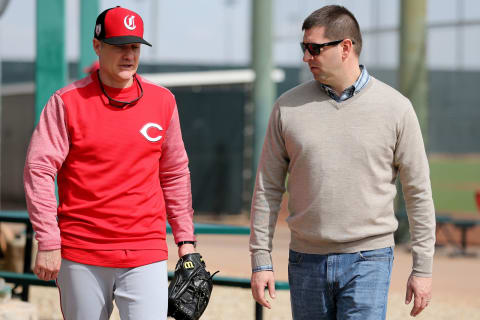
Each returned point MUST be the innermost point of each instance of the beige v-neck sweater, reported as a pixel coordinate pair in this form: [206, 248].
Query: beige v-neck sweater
[342, 160]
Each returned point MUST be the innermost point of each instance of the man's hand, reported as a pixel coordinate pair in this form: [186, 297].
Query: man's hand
[185, 249]
[259, 281]
[47, 264]
[421, 289]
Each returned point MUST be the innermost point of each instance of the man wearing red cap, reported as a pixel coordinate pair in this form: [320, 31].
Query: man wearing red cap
[113, 141]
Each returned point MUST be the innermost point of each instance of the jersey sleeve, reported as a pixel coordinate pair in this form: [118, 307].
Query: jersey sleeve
[47, 151]
[175, 182]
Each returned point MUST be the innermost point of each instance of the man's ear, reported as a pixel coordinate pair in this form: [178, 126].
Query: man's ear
[347, 48]
[97, 44]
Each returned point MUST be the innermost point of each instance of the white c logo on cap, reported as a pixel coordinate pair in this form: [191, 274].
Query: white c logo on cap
[130, 25]
[149, 125]
[98, 29]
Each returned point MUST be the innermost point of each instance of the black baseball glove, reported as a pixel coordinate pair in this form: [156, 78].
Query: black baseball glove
[190, 289]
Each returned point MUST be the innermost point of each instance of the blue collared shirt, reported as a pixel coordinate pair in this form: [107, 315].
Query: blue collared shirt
[352, 90]
[263, 268]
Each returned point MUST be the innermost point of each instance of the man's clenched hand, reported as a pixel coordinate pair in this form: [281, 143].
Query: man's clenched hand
[47, 264]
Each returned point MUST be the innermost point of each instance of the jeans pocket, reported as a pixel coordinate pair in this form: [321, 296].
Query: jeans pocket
[384, 254]
[294, 258]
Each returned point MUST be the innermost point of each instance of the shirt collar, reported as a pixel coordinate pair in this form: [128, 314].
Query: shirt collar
[349, 92]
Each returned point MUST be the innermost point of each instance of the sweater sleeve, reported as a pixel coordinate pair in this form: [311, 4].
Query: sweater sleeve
[412, 163]
[175, 182]
[267, 196]
[47, 151]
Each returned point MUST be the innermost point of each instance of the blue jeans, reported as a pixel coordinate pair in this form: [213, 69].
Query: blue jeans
[340, 286]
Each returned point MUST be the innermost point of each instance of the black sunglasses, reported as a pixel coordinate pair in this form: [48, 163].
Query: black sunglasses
[119, 103]
[315, 48]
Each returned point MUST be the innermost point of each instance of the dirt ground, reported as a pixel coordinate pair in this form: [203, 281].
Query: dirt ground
[455, 292]
[456, 279]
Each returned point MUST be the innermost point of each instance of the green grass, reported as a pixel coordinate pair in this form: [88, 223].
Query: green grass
[454, 182]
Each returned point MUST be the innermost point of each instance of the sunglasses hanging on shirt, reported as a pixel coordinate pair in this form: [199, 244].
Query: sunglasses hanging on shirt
[118, 103]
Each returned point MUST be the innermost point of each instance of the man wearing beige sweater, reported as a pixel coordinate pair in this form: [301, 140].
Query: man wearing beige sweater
[343, 139]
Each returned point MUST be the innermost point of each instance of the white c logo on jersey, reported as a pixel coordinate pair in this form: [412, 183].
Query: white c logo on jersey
[130, 25]
[144, 131]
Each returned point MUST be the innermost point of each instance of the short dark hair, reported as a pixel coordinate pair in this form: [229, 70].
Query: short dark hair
[339, 24]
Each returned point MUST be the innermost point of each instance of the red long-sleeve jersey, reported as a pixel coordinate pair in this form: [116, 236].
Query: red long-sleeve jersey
[121, 172]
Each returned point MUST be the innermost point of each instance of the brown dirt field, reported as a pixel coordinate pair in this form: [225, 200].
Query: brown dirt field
[456, 282]
[455, 290]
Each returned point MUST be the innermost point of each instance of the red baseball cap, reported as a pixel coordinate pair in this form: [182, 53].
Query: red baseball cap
[119, 26]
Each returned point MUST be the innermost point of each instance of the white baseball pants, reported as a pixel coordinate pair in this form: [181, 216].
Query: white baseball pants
[87, 292]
